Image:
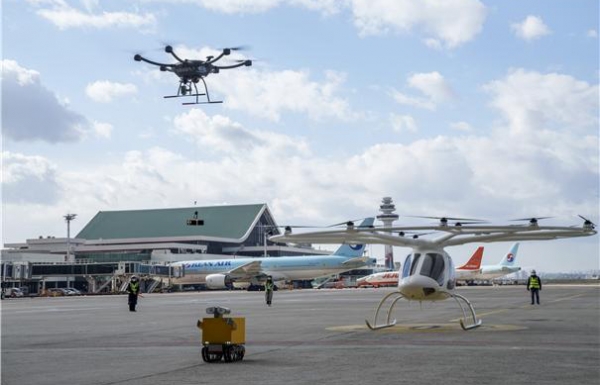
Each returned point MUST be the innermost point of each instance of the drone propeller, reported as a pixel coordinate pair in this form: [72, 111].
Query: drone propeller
[238, 48]
[458, 221]
[349, 224]
[533, 221]
[414, 235]
[587, 223]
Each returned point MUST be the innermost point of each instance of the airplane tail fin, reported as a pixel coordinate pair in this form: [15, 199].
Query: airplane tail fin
[509, 258]
[475, 261]
[351, 250]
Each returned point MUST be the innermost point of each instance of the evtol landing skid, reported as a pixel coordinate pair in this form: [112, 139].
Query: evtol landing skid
[396, 296]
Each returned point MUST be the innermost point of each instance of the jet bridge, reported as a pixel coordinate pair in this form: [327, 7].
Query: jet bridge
[99, 276]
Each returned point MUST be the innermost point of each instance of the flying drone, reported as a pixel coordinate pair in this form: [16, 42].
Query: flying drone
[190, 72]
[428, 271]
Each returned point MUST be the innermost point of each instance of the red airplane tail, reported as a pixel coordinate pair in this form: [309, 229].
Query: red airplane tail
[475, 261]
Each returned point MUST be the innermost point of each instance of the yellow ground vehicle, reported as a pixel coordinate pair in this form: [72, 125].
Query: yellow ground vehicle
[222, 337]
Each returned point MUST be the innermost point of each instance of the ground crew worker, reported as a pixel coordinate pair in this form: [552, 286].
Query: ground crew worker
[269, 286]
[133, 289]
[534, 285]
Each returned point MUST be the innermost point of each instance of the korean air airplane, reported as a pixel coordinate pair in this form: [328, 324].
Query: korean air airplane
[221, 273]
[505, 267]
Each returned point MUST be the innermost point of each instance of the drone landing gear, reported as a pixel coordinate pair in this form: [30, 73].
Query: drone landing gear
[393, 297]
[185, 89]
[476, 322]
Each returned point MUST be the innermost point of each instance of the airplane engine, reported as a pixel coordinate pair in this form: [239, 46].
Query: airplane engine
[218, 281]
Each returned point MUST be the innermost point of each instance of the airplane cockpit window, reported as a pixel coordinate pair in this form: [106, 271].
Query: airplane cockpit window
[433, 267]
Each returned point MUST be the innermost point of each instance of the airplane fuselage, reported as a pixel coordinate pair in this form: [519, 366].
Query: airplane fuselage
[281, 268]
[497, 271]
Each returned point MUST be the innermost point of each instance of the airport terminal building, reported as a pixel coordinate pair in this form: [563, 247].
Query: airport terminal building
[116, 243]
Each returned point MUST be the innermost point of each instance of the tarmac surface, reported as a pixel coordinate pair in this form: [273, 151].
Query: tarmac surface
[306, 337]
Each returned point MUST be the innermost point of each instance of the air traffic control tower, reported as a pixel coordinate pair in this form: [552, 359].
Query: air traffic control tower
[388, 216]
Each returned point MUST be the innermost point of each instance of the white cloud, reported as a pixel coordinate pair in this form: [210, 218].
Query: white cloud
[268, 94]
[461, 126]
[592, 33]
[499, 175]
[219, 134]
[432, 85]
[28, 179]
[402, 123]
[446, 23]
[104, 91]
[103, 130]
[64, 16]
[258, 6]
[530, 101]
[52, 121]
[531, 28]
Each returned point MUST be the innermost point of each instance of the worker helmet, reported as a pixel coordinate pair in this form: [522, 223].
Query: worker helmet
[134, 278]
[532, 272]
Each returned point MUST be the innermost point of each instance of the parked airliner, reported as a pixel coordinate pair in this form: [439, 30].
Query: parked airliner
[222, 273]
[506, 266]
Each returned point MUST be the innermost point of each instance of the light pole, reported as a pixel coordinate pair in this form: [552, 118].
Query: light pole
[69, 218]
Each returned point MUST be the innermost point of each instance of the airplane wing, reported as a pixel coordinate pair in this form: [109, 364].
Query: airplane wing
[446, 235]
[246, 271]
[355, 261]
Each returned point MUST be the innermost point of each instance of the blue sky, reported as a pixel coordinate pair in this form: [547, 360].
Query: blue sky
[485, 109]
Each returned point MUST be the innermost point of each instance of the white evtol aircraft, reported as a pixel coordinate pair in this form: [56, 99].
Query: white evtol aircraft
[390, 278]
[428, 272]
[222, 273]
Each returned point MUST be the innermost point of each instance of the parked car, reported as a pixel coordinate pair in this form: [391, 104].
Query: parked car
[14, 292]
[72, 291]
[57, 292]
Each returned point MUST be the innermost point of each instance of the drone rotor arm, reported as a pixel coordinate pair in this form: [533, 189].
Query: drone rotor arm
[225, 52]
[245, 62]
[141, 58]
[169, 49]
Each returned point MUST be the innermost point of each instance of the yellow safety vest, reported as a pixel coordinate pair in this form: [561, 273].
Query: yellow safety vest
[134, 287]
[534, 282]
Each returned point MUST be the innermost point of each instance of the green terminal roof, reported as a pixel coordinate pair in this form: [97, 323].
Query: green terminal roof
[219, 221]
